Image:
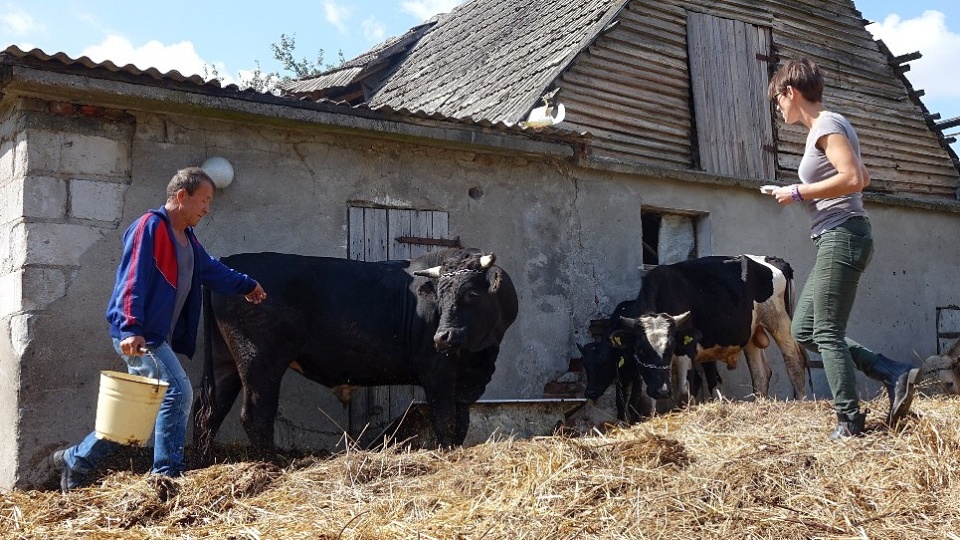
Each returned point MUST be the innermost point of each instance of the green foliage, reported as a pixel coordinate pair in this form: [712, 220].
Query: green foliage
[283, 52]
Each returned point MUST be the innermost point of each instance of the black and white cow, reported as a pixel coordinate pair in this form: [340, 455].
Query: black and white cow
[614, 359]
[730, 301]
[435, 321]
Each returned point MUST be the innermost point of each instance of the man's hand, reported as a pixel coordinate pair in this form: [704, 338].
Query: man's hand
[257, 295]
[133, 346]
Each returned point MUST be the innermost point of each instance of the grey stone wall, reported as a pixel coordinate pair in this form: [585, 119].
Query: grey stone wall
[569, 237]
[63, 179]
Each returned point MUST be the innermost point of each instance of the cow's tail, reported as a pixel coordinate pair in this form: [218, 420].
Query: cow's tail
[203, 411]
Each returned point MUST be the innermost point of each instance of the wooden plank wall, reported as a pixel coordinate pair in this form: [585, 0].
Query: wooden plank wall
[631, 89]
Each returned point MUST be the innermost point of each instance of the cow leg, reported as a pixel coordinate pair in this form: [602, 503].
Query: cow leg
[622, 400]
[634, 402]
[712, 375]
[228, 387]
[259, 414]
[695, 381]
[443, 416]
[463, 423]
[760, 371]
[793, 356]
[261, 377]
[438, 377]
[682, 371]
[644, 404]
[218, 390]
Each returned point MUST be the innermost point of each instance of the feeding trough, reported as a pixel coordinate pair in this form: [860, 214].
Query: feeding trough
[520, 418]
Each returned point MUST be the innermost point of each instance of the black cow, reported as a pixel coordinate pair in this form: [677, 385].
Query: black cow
[436, 321]
[728, 300]
[625, 373]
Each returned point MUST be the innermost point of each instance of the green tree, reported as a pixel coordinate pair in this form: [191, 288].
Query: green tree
[283, 52]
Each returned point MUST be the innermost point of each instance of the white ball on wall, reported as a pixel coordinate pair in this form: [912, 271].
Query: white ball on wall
[220, 171]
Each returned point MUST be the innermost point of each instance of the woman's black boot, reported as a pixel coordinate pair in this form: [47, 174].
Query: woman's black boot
[847, 428]
[900, 380]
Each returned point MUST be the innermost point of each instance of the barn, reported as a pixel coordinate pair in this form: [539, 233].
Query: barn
[437, 137]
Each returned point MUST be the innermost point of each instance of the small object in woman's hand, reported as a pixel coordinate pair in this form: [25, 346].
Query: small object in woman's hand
[768, 189]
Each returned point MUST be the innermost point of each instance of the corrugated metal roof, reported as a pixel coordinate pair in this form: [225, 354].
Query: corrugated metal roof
[354, 69]
[493, 59]
[338, 78]
[128, 69]
[129, 73]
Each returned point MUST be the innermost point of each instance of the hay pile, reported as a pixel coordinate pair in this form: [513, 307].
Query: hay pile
[746, 470]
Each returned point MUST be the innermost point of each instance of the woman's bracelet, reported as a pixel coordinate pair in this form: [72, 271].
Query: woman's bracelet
[795, 193]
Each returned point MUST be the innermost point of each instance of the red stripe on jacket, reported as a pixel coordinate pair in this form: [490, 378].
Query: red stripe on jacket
[132, 271]
[165, 255]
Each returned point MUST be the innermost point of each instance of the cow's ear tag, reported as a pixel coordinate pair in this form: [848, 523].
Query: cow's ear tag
[687, 340]
[620, 364]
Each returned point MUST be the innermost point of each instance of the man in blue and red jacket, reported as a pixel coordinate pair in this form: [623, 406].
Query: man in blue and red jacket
[155, 308]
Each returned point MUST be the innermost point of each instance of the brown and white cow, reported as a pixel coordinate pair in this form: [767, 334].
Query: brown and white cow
[732, 302]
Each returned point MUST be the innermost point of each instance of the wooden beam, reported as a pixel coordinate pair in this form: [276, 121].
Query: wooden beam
[949, 123]
[904, 58]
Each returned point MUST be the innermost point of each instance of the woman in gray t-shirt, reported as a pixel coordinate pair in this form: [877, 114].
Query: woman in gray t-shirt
[832, 176]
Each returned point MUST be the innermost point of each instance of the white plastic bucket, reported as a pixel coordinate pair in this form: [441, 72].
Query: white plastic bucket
[127, 407]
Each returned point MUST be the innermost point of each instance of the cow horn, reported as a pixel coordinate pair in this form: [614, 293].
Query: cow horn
[429, 272]
[486, 261]
[681, 318]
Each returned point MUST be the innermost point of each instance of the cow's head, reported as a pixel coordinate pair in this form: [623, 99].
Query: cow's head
[945, 371]
[655, 342]
[601, 362]
[466, 296]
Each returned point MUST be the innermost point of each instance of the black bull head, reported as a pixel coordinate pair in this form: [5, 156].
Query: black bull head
[466, 293]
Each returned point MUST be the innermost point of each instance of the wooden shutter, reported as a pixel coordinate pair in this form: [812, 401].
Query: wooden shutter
[729, 75]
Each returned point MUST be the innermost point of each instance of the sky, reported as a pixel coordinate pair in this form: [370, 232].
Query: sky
[208, 38]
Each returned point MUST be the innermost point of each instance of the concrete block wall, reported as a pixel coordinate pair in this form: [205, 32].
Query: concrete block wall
[62, 176]
[12, 170]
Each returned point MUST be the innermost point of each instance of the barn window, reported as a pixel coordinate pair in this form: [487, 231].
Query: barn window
[729, 63]
[672, 236]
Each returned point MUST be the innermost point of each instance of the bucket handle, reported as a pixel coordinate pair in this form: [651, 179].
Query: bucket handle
[146, 352]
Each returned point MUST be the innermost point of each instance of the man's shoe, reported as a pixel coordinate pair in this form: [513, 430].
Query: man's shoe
[68, 478]
[847, 428]
[902, 396]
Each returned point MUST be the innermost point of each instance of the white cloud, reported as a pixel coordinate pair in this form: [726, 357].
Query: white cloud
[373, 30]
[17, 22]
[935, 73]
[424, 9]
[181, 56]
[336, 15]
